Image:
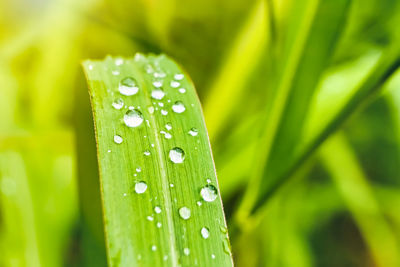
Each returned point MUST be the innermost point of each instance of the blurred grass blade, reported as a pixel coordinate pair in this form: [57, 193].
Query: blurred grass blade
[143, 190]
[312, 35]
[349, 178]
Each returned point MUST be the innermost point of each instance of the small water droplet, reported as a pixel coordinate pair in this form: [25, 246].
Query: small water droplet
[227, 247]
[128, 86]
[171, 185]
[166, 135]
[146, 153]
[159, 75]
[125, 194]
[153, 247]
[157, 209]
[223, 229]
[176, 155]
[175, 84]
[193, 132]
[150, 218]
[205, 233]
[109, 150]
[152, 145]
[118, 103]
[133, 118]
[199, 203]
[164, 112]
[161, 104]
[212, 256]
[157, 84]
[178, 107]
[186, 251]
[115, 72]
[118, 139]
[138, 169]
[168, 126]
[182, 90]
[140, 187]
[209, 193]
[159, 225]
[165, 257]
[184, 212]
[178, 76]
[151, 109]
[90, 67]
[208, 181]
[157, 94]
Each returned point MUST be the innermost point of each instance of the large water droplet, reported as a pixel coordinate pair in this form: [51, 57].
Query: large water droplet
[178, 107]
[118, 103]
[128, 86]
[157, 94]
[184, 212]
[186, 251]
[133, 118]
[118, 139]
[205, 233]
[140, 187]
[193, 131]
[176, 155]
[209, 193]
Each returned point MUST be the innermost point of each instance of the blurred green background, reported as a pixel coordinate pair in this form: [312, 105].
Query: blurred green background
[301, 100]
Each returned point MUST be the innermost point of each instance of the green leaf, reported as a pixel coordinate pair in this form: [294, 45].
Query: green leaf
[146, 229]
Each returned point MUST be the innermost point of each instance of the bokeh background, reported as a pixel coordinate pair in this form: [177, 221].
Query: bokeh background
[338, 205]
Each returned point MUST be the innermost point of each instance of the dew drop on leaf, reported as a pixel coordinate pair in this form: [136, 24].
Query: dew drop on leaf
[177, 155]
[118, 103]
[186, 251]
[118, 139]
[133, 118]
[146, 153]
[178, 107]
[209, 193]
[178, 76]
[168, 126]
[205, 233]
[184, 212]
[157, 209]
[153, 247]
[140, 187]
[175, 84]
[157, 84]
[157, 94]
[182, 90]
[128, 86]
[193, 132]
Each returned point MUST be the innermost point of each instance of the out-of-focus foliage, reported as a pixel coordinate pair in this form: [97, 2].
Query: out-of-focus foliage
[277, 78]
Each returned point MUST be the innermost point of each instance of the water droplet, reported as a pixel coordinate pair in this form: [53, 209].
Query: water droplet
[209, 193]
[205, 233]
[133, 118]
[178, 107]
[157, 84]
[118, 139]
[178, 76]
[199, 203]
[159, 75]
[90, 67]
[223, 229]
[109, 150]
[159, 225]
[182, 90]
[208, 181]
[168, 126]
[152, 145]
[138, 169]
[226, 246]
[153, 247]
[118, 103]
[161, 104]
[184, 212]
[151, 109]
[115, 72]
[128, 86]
[140, 187]
[146, 153]
[166, 135]
[175, 84]
[176, 155]
[193, 132]
[157, 209]
[150, 218]
[119, 61]
[157, 94]
[212, 256]
[186, 251]
[165, 257]
[164, 112]
[171, 185]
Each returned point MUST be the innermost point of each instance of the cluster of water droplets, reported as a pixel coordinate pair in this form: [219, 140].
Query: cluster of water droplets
[133, 117]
